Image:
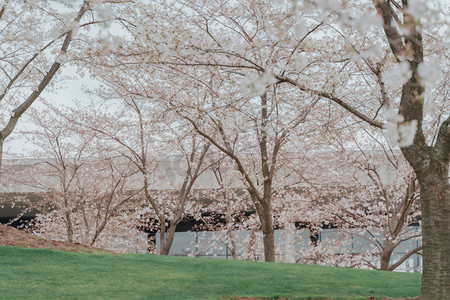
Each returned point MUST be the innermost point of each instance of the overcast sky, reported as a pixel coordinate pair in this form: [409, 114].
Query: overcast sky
[64, 93]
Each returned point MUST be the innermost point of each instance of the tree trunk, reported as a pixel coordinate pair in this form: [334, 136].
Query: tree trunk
[251, 245]
[431, 165]
[385, 260]
[69, 227]
[1, 155]
[268, 233]
[232, 237]
[167, 240]
[269, 244]
[434, 192]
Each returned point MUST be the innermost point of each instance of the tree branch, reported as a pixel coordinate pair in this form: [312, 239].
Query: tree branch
[333, 98]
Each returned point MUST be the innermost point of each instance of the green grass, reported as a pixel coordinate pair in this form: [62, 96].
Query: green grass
[48, 274]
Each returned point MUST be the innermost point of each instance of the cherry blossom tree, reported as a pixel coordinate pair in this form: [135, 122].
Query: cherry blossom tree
[397, 208]
[367, 58]
[384, 207]
[405, 30]
[260, 117]
[84, 192]
[137, 132]
[35, 35]
[361, 189]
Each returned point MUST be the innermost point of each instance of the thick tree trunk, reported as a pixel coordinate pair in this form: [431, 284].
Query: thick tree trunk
[431, 165]
[269, 244]
[386, 254]
[1, 155]
[434, 187]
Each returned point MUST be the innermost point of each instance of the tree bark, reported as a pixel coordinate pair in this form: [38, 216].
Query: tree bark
[430, 163]
[167, 240]
[1, 155]
[436, 234]
[269, 239]
[265, 215]
[69, 227]
[386, 254]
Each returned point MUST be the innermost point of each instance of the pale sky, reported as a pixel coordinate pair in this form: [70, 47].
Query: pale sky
[64, 93]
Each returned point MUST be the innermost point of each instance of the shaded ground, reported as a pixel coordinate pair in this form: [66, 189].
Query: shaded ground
[10, 236]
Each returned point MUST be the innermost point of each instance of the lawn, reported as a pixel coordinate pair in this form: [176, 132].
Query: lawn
[49, 274]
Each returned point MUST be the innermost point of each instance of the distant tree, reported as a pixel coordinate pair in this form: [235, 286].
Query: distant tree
[384, 208]
[84, 192]
[137, 132]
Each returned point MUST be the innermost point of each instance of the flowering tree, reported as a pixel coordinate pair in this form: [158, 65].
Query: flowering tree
[84, 192]
[384, 206]
[35, 35]
[363, 189]
[395, 205]
[328, 49]
[402, 28]
[259, 116]
[137, 132]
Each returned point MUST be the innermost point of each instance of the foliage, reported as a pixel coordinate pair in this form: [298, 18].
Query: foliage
[274, 83]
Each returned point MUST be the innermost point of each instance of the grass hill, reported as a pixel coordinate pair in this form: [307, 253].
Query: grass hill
[49, 274]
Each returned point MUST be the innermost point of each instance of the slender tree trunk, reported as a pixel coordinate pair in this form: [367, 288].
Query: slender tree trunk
[68, 216]
[168, 240]
[268, 233]
[233, 250]
[231, 236]
[251, 244]
[69, 227]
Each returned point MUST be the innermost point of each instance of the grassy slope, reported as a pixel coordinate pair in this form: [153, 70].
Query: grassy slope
[48, 274]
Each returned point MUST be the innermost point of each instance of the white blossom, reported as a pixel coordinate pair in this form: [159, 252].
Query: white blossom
[366, 21]
[255, 84]
[399, 75]
[429, 72]
[330, 5]
[401, 133]
[300, 30]
[417, 8]
[163, 49]
[373, 52]
[299, 62]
